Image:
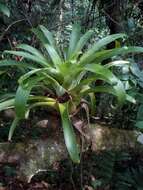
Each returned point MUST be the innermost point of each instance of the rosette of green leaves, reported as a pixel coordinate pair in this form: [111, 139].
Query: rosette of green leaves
[68, 75]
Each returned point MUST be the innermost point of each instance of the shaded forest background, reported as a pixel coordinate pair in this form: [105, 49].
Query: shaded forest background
[104, 16]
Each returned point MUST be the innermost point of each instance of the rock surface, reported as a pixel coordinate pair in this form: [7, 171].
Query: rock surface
[107, 138]
[33, 156]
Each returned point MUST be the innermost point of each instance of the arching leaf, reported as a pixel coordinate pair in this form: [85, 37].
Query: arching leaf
[4, 9]
[74, 38]
[89, 56]
[69, 135]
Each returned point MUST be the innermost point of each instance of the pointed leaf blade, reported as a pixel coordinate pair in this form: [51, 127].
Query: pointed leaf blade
[53, 55]
[83, 41]
[69, 135]
[28, 56]
[106, 54]
[31, 50]
[6, 63]
[21, 98]
[12, 128]
[109, 78]
[74, 38]
[48, 35]
[6, 104]
[89, 55]
[39, 34]
[4, 9]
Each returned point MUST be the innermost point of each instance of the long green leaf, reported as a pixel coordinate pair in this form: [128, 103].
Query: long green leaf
[12, 128]
[74, 38]
[29, 74]
[82, 42]
[69, 135]
[101, 89]
[106, 54]
[6, 63]
[33, 82]
[41, 98]
[21, 99]
[72, 74]
[4, 9]
[90, 54]
[48, 35]
[118, 63]
[29, 80]
[60, 90]
[6, 104]
[39, 34]
[6, 96]
[53, 55]
[22, 95]
[106, 89]
[87, 81]
[32, 50]
[130, 99]
[76, 80]
[2, 72]
[103, 71]
[29, 56]
[37, 104]
[110, 78]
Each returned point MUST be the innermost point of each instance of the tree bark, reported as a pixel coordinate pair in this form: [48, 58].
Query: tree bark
[114, 16]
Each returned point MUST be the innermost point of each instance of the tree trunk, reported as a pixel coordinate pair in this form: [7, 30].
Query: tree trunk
[114, 16]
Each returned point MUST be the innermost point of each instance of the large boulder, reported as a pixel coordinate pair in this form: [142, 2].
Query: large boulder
[33, 156]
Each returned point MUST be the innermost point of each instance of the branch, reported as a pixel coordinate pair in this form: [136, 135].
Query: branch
[111, 18]
[7, 29]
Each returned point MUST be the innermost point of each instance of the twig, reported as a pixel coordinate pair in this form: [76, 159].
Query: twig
[7, 29]
[9, 43]
[111, 18]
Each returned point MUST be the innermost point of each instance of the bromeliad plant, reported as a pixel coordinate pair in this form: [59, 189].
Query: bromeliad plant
[67, 76]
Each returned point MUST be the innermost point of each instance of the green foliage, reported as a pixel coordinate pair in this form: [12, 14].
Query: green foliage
[132, 77]
[4, 9]
[119, 170]
[68, 77]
